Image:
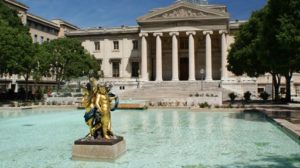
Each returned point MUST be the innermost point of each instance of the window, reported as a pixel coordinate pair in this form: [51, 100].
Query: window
[116, 69]
[97, 45]
[116, 45]
[260, 90]
[184, 43]
[135, 68]
[135, 44]
[29, 24]
[282, 90]
[42, 39]
[35, 38]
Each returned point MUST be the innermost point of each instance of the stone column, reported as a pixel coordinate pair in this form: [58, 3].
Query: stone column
[144, 57]
[175, 76]
[158, 57]
[208, 69]
[224, 54]
[191, 55]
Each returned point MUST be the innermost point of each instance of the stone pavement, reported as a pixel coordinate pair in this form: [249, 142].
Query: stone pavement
[154, 91]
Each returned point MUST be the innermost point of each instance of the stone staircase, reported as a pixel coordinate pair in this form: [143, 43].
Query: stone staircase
[162, 90]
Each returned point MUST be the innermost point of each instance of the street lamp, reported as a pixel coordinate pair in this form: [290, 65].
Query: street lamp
[202, 77]
[137, 79]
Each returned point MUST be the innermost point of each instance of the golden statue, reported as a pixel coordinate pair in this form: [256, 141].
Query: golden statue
[97, 101]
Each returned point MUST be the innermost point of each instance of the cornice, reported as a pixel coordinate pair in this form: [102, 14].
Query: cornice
[42, 21]
[18, 4]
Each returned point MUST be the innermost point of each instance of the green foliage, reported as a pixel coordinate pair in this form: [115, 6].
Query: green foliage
[67, 59]
[269, 42]
[232, 96]
[204, 105]
[264, 95]
[16, 48]
[244, 56]
[284, 37]
[247, 96]
[39, 94]
[9, 18]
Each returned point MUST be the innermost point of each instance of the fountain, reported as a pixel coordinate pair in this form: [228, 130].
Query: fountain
[100, 142]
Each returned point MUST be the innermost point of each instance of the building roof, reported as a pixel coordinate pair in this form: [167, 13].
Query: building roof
[104, 31]
[236, 24]
[18, 4]
[42, 21]
[68, 24]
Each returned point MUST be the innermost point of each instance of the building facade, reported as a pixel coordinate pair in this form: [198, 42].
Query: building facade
[186, 41]
[170, 44]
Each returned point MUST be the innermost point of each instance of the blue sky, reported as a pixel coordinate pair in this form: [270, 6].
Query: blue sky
[109, 13]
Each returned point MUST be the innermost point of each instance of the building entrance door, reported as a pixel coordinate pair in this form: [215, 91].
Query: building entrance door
[184, 69]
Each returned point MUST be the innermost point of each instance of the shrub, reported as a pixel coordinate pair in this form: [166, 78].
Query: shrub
[39, 94]
[204, 105]
[191, 95]
[197, 95]
[232, 96]
[247, 96]
[264, 95]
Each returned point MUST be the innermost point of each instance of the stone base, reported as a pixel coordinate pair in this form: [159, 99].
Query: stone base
[98, 149]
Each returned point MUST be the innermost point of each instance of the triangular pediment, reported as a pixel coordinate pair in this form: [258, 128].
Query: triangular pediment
[184, 11]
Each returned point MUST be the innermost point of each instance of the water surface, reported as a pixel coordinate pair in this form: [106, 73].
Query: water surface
[155, 138]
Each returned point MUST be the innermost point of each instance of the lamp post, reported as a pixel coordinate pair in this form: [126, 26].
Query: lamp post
[137, 79]
[202, 71]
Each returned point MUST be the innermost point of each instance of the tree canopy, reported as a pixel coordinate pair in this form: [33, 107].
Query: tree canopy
[67, 59]
[15, 41]
[269, 42]
[244, 56]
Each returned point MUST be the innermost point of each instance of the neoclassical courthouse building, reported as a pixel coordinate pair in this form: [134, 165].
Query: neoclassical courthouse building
[169, 44]
[186, 41]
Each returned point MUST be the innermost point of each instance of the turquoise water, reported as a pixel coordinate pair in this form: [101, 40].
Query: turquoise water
[155, 138]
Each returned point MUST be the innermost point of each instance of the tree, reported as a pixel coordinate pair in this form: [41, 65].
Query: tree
[67, 59]
[249, 56]
[14, 39]
[281, 33]
[269, 43]
[243, 55]
[16, 48]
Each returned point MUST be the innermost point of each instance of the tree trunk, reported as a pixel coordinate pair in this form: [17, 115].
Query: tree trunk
[276, 82]
[26, 86]
[58, 86]
[57, 83]
[288, 78]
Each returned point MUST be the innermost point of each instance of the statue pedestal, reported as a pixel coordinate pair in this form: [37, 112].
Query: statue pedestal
[97, 149]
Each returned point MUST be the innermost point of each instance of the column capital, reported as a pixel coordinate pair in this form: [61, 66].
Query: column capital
[157, 34]
[143, 34]
[223, 31]
[190, 33]
[208, 32]
[174, 33]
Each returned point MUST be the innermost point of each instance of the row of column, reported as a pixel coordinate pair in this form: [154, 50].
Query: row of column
[175, 74]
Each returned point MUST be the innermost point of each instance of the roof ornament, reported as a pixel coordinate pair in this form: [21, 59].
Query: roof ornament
[199, 2]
